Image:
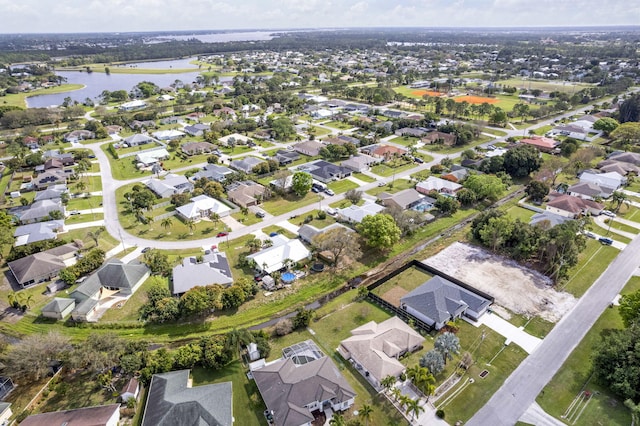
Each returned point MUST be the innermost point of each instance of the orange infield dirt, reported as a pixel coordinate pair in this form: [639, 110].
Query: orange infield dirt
[426, 92]
[476, 100]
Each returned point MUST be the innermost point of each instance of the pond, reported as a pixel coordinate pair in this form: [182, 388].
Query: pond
[160, 65]
[96, 82]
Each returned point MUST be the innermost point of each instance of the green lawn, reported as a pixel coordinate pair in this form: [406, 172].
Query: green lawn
[405, 140]
[83, 218]
[130, 311]
[339, 125]
[319, 223]
[363, 177]
[392, 187]
[19, 99]
[541, 131]
[278, 205]
[124, 168]
[343, 185]
[545, 85]
[575, 376]
[319, 131]
[407, 280]
[84, 203]
[247, 220]
[623, 227]
[517, 212]
[389, 169]
[278, 230]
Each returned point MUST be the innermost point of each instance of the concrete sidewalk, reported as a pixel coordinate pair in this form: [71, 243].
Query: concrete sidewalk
[535, 415]
[509, 331]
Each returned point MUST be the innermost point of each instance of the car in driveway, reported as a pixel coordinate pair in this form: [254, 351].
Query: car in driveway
[606, 241]
[146, 249]
[329, 192]
[418, 160]
[608, 213]
[590, 234]
[222, 234]
[74, 212]
[260, 214]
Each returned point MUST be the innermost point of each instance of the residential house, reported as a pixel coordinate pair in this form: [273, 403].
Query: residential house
[195, 148]
[172, 400]
[393, 114]
[113, 279]
[5, 413]
[235, 139]
[203, 206]
[286, 157]
[620, 167]
[130, 390]
[40, 231]
[168, 135]
[308, 232]
[40, 210]
[547, 220]
[195, 116]
[113, 129]
[246, 193]
[49, 178]
[133, 105]
[384, 151]
[541, 143]
[416, 132]
[138, 139]
[103, 415]
[142, 124]
[572, 131]
[273, 258]
[438, 301]
[246, 164]
[213, 268]
[610, 180]
[197, 129]
[324, 171]
[589, 191]
[360, 162]
[322, 113]
[174, 119]
[31, 142]
[301, 385]
[78, 135]
[407, 199]
[627, 157]
[59, 308]
[52, 192]
[441, 186]
[374, 349]
[440, 138]
[45, 265]
[572, 207]
[149, 158]
[355, 214]
[213, 172]
[225, 111]
[310, 148]
[170, 185]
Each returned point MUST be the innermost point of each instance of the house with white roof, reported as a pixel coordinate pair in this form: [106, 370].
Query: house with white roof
[168, 135]
[133, 105]
[439, 185]
[203, 206]
[355, 214]
[612, 180]
[273, 258]
[39, 231]
[170, 185]
[235, 138]
[149, 158]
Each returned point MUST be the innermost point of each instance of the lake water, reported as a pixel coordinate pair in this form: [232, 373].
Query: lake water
[224, 37]
[160, 65]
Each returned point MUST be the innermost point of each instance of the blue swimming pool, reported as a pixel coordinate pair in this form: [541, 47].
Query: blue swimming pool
[288, 277]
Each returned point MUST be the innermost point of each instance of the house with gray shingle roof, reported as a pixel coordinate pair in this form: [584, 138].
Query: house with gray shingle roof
[173, 401]
[113, 278]
[246, 164]
[439, 300]
[170, 185]
[213, 172]
[213, 269]
[52, 192]
[40, 210]
[296, 387]
[58, 308]
[43, 266]
[375, 348]
[40, 231]
[103, 415]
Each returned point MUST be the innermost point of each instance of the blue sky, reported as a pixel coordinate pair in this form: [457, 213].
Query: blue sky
[60, 16]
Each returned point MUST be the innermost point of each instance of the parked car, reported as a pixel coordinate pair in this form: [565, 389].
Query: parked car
[146, 249]
[590, 234]
[381, 184]
[329, 192]
[331, 211]
[605, 241]
[315, 189]
[222, 234]
[418, 160]
[74, 212]
[608, 213]
[260, 214]
[273, 234]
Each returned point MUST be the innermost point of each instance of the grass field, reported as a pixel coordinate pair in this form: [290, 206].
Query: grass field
[343, 185]
[592, 262]
[279, 205]
[544, 85]
[575, 376]
[19, 99]
[406, 280]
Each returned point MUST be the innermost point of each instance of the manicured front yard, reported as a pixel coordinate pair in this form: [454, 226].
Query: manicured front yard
[278, 205]
[592, 262]
[575, 376]
[343, 185]
[390, 168]
[392, 187]
[83, 218]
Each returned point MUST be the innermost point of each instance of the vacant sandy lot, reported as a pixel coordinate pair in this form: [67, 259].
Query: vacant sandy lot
[513, 286]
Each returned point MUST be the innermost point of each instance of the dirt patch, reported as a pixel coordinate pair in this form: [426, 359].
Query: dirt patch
[519, 289]
[426, 92]
[476, 99]
[394, 295]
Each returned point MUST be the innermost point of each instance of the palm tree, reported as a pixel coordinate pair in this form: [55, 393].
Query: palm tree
[95, 235]
[618, 197]
[447, 344]
[167, 223]
[244, 211]
[12, 298]
[404, 400]
[267, 243]
[191, 224]
[365, 413]
[81, 186]
[388, 382]
[254, 244]
[215, 217]
[414, 407]
[238, 337]
[337, 420]
[396, 393]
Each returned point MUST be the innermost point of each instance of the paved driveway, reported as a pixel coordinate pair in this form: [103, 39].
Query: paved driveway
[509, 331]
